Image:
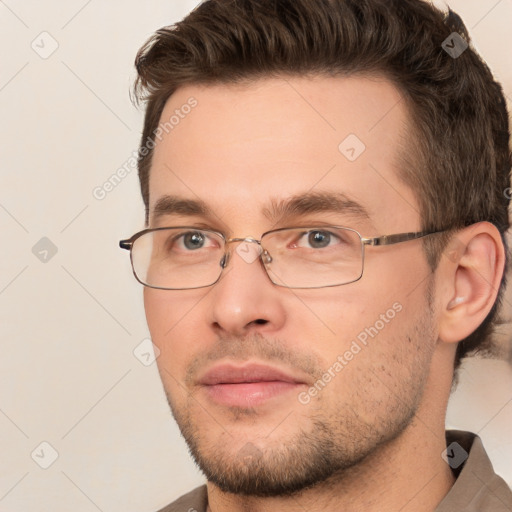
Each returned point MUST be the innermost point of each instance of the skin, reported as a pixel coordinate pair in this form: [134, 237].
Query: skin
[383, 415]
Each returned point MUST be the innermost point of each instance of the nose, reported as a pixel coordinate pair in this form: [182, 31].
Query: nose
[247, 252]
[244, 299]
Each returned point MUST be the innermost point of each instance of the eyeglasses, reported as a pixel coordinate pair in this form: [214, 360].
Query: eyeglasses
[180, 258]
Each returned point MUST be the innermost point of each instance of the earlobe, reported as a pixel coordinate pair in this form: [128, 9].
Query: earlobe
[475, 276]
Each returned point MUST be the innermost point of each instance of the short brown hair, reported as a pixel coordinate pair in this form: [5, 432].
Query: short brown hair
[459, 161]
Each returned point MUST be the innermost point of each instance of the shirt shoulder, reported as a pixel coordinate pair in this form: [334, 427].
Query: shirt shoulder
[477, 488]
[194, 501]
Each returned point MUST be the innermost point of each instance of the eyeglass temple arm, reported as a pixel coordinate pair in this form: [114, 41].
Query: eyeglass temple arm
[395, 239]
[125, 244]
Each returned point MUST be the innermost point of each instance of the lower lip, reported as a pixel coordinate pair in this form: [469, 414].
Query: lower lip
[249, 394]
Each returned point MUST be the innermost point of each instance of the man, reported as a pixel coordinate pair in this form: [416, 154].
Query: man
[324, 183]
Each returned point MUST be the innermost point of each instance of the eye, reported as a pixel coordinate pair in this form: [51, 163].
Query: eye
[317, 239]
[191, 241]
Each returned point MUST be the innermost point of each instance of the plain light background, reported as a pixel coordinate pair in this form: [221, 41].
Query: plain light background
[71, 313]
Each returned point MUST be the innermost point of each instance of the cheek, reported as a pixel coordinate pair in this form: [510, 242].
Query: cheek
[374, 364]
[395, 271]
[156, 308]
[166, 316]
[166, 309]
[338, 314]
[362, 328]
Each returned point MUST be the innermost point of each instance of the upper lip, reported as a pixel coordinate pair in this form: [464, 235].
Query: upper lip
[237, 374]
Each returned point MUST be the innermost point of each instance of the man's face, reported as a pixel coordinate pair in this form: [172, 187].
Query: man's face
[276, 388]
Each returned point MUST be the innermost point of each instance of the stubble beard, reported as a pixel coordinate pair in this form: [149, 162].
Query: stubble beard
[319, 453]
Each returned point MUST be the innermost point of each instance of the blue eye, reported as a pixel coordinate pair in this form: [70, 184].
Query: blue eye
[317, 239]
[193, 240]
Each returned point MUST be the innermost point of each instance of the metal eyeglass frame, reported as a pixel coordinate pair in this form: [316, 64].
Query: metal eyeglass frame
[375, 241]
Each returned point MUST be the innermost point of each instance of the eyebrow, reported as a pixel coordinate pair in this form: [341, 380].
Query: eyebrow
[314, 202]
[277, 210]
[174, 205]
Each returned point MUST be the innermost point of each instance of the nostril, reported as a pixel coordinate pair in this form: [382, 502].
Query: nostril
[260, 321]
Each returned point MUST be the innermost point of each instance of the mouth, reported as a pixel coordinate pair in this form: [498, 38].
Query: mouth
[248, 385]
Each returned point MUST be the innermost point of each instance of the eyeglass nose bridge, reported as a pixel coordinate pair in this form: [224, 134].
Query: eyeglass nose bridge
[264, 256]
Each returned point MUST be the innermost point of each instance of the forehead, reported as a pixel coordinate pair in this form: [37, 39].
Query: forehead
[243, 147]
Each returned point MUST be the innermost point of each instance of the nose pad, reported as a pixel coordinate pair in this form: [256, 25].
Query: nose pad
[224, 260]
[265, 257]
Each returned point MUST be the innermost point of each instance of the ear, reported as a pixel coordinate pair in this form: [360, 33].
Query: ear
[469, 277]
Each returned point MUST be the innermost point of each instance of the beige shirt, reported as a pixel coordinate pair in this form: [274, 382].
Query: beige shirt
[477, 488]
